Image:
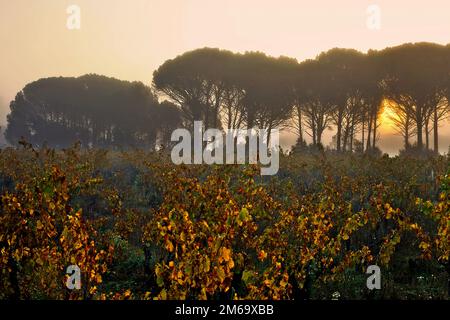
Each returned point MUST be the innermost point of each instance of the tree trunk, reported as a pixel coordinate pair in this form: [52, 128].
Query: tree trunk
[269, 131]
[216, 110]
[339, 133]
[319, 133]
[374, 137]
[300, 127]
[419, 135]
[362, 136]
[314, 131]
[435, 130]
[346, 135]
[369, 133]
[352, 133]
[407, 132]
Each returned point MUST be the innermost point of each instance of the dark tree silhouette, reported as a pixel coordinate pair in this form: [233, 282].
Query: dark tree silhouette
[315, 100]
[169, 119]
[267, 83]
[223, 89]
[415, 74]
[95, 110]
[344, 66]
[341, 88]
[195, 82]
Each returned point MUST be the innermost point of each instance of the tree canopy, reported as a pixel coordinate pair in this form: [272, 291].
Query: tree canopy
[342, 89]
[95, 110]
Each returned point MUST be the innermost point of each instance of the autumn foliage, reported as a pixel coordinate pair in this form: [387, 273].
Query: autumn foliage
[141, 228]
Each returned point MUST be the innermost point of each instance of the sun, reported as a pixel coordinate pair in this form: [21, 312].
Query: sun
[388, 113]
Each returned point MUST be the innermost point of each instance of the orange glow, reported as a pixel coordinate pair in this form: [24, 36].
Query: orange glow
[386, 116]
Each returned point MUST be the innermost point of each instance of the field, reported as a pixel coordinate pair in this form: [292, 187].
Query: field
[140, 227]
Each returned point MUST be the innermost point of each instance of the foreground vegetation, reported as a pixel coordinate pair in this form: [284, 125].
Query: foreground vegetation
[142, 228]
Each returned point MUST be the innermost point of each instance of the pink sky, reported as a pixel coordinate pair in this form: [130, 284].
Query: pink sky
[129, 39]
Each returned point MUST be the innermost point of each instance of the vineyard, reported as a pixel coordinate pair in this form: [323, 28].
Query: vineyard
[140, 227]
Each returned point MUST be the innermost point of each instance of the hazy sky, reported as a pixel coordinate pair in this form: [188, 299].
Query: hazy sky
[129, 39]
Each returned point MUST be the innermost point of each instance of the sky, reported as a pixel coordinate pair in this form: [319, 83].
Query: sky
[129, 39]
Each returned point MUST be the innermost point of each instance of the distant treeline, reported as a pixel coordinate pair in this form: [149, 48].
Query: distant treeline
[94, 110]
[342, 88]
